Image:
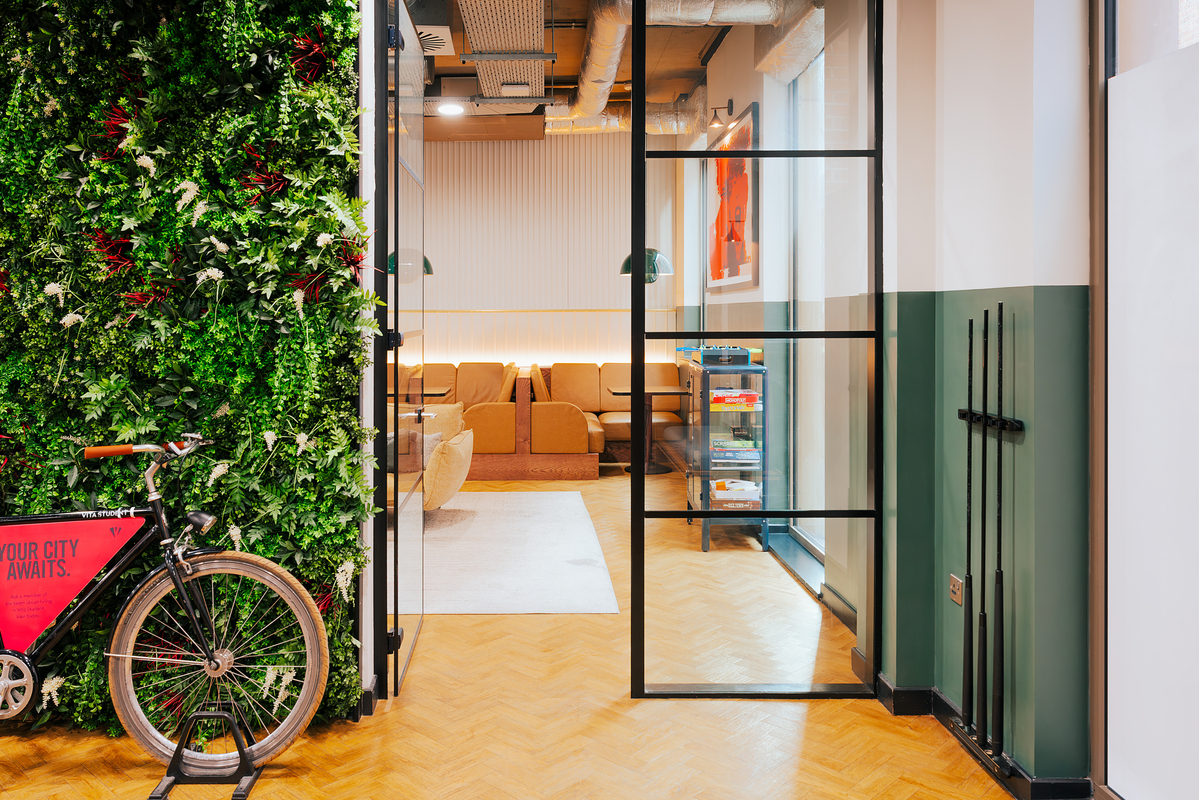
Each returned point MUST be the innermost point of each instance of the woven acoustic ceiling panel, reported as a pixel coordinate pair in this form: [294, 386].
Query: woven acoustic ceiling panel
[507, 26]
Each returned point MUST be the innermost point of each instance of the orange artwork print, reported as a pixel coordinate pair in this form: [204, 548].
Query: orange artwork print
[730, 252]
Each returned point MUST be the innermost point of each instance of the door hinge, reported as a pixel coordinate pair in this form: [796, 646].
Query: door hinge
[394, 339]
[395, 638]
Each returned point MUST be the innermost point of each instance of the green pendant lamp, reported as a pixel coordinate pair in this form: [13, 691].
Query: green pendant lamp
[391, 265]
[656, 264]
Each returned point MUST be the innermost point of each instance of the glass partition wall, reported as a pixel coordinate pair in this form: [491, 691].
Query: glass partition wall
[755, 523]
[399, 574]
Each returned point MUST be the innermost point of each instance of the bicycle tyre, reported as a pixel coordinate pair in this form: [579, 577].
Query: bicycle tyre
[152, 646]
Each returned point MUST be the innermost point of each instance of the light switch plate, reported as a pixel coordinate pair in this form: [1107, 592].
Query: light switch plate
[955, 589]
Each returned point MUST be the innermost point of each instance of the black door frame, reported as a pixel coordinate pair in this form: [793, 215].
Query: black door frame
[867, 657]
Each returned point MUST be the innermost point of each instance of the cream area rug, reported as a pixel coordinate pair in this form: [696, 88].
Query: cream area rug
[515, 553]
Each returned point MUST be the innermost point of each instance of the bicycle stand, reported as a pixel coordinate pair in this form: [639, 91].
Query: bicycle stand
[245, 774]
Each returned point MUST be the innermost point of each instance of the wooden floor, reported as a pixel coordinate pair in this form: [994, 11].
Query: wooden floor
[537, 706]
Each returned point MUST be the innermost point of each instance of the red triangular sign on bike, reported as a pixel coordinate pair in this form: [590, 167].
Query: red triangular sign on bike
[44, 566]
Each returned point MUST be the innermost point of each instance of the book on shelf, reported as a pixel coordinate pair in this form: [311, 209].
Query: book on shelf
[734, 490]
[737, 396]
[734, 459]
[733, 444]
[735, 407]
[735, 505]
[752, 456]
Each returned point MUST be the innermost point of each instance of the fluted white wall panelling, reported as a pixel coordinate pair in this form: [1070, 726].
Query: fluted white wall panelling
[526, 239]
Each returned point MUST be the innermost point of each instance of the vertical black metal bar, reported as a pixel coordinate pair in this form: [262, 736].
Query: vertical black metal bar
[379, 350]
[997, 672]
[637, 354]
[980, 721]
[968, 583]
[874, 542]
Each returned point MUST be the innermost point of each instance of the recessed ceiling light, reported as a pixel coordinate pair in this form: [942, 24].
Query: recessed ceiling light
[450, 109]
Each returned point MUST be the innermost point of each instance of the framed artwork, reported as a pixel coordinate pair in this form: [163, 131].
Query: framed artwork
[733, 230]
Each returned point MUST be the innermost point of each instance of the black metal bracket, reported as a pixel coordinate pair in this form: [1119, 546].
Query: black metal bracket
[999, 423]
[394, 339]
[995, 762]
[245, 774]
[395, 640]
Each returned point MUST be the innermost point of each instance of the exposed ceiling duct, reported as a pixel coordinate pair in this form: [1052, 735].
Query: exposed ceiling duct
[680, 118]
[607, 31]
[507, 26]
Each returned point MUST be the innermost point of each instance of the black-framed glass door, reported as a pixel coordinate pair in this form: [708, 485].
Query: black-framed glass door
[399, 550]
[772, 194]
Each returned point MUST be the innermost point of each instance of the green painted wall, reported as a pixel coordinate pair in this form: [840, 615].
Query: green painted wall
[909, 458]
[1044, 507]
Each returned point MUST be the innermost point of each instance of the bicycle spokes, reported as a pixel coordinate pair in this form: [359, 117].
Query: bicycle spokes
[259, 653]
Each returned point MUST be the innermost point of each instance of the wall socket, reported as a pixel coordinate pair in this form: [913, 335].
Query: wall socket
[955, 589]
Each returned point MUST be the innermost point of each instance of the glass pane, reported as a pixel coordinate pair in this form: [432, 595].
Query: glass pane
[1150, 29]
[806, 76]
[785, 421]
[406, 90]
[736, 615]
[760, 244]
[405, 301]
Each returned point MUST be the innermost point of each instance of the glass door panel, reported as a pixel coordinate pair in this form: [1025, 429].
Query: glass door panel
[405, 312]
[755, 499]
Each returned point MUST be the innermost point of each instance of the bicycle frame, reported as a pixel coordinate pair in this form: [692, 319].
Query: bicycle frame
[87, 598]
[197, 612]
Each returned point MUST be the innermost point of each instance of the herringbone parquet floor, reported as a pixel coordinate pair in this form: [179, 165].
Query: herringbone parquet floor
[538, 706]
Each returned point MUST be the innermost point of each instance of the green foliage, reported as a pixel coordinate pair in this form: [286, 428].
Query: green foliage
[179, 251]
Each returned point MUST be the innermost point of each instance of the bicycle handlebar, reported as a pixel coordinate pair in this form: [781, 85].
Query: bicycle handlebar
[105, 451]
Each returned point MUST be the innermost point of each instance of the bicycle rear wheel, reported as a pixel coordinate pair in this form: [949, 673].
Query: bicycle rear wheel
[267, 635]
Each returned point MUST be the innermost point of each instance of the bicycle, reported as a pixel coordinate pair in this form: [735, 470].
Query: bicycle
[208, 628]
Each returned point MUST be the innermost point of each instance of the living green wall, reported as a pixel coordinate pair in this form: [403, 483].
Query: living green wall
[1045, 522]
[180, 251]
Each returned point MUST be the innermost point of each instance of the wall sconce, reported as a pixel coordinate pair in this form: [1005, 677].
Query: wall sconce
[656, 264]
[716, 123]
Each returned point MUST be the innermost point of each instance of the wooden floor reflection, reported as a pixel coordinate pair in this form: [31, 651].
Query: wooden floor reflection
[538, 706]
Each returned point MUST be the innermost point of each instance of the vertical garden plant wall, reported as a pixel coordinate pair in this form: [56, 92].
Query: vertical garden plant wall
[180, 251]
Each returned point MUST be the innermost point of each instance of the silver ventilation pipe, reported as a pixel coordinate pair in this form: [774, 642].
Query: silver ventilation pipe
[680, 118]
[607, 31]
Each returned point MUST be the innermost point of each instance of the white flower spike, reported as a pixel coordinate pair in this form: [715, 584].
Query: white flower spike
[217, 471]
[71, 319]
[51, 688]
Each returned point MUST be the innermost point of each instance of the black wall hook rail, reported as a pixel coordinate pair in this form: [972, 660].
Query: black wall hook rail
[1001, 423]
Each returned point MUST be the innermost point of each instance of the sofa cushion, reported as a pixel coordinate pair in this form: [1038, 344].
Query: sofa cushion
[557, 428]
[618, 425]
[443, 418]
[660, 374]
[446, 470]
[510, 373]
[478, 382]
[541, 392]
[494, 425]
[596, 436]
[614, 374]
[577, 384]
[439, 375]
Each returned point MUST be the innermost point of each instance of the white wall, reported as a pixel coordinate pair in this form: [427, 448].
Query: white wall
[526, 239]
[986, 115]
[1153, 252]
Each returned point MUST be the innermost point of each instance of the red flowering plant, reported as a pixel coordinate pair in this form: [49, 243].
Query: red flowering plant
[310, 56]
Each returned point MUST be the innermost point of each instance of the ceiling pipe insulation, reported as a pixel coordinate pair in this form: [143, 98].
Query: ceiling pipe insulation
[587, 109]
